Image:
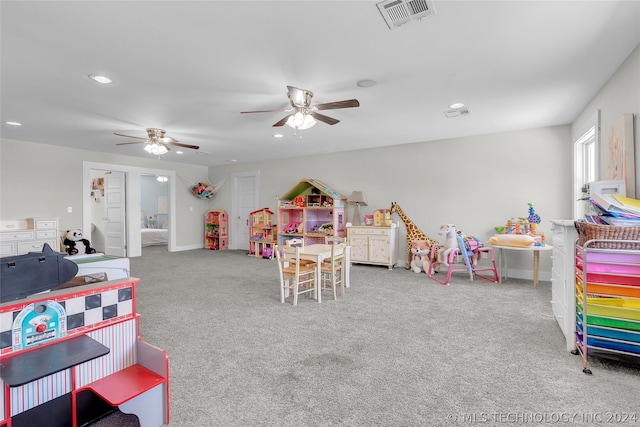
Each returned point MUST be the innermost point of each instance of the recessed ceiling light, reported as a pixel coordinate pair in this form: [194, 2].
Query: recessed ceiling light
[278, 135]
[456, 105]
[14, 123]
[179, 152]
[231, 161]
[100, 79]
[366, 83]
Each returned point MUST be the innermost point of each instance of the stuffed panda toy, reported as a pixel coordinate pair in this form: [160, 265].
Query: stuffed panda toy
[73, 236]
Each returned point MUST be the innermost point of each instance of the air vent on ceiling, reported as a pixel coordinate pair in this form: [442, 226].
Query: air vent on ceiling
[399, 12]
[457, 112]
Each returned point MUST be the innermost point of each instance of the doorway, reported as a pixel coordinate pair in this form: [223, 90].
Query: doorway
[131, 203]
[244, 200]
[108, 230]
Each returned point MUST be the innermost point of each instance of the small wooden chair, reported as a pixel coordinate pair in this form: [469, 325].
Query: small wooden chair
[295, 279]
[299, 243]
[333, 270]
[334, 240]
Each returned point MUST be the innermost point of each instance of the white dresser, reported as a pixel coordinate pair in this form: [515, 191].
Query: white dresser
[374, 245]
[20, 236]
[563, 237]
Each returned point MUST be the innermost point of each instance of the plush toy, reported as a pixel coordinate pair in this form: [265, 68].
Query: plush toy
[420, 250]
[73, 236]
[450, 243]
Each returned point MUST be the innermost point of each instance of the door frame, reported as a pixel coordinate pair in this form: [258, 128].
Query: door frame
[133, 240]
[235, 223]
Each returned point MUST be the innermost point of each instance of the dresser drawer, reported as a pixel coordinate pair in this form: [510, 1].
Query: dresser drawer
[8, 249]
[46, 234]
[17, 235]
[46, 223]
[367, 231]
[558, 260]
[43, 223]
[33, 246]
[558, 237]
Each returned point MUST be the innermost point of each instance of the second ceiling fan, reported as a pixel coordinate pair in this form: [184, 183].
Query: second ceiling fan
[157, 142]
[303, 115]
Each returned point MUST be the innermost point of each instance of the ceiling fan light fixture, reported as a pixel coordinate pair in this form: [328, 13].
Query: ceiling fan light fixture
[155, 148]
[301, 121]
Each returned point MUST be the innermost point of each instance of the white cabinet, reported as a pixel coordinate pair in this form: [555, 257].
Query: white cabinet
[18, 237]
[374, 245]
[563, 238]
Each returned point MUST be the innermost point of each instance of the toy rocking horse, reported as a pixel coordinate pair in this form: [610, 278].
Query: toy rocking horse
[450, 243]
[458, 257]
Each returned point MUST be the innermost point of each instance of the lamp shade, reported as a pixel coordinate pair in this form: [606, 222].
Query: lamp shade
[357, 198]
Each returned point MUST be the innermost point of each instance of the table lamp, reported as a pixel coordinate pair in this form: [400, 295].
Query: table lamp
[357, 198]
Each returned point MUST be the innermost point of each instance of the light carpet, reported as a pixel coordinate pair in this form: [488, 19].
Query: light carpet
[397, 350]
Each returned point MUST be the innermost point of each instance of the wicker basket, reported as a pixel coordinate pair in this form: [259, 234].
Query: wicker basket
[588, 231]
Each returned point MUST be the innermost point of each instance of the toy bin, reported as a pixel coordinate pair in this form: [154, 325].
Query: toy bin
[622, 308]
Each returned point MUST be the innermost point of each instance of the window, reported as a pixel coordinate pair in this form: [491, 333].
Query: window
[585, 162]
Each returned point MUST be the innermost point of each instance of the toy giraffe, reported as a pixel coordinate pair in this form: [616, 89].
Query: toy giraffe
[413, 232]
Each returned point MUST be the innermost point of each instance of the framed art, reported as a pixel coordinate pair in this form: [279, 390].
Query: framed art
[622, 154]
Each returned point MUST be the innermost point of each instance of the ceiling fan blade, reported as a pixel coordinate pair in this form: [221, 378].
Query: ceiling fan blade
[282, 122]
[348, 103]
[299, 97]
[129, 136]
[129, 143]
[326, 119]
[263, 111]
[178, 144]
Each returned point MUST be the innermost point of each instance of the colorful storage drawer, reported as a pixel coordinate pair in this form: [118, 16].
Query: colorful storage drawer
[624, 269]
[613, 279]
[629, 291]
[614, 334]
[613, 323]
[612, 345]
[622, 308]
[615, 258]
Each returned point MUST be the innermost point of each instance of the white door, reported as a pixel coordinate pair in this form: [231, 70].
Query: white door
[244, 201]
[114, 214]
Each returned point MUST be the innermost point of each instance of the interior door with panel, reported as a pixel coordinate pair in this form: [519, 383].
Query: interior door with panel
[114, 211]
[244, 201]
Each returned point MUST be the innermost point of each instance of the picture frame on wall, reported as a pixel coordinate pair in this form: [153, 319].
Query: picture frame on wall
[622, 153]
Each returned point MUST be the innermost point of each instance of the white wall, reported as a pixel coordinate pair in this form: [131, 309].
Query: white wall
[619, 96]
[43, 180]
[476, 182]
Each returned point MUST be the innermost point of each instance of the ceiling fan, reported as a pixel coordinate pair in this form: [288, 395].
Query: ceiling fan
[303, 115]
[156, 142]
